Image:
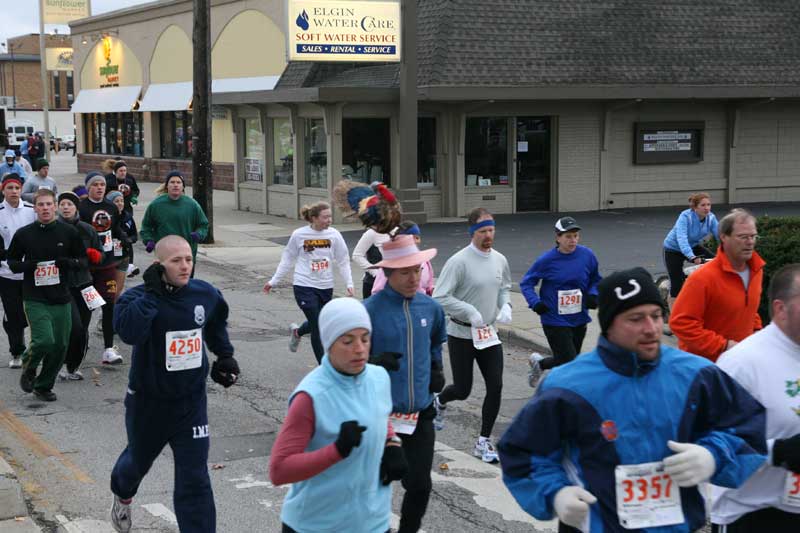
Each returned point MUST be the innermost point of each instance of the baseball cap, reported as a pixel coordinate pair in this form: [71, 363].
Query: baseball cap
[566, 224]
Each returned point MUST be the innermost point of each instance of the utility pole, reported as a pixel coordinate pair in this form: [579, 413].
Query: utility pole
[202, 179]
[45, 85]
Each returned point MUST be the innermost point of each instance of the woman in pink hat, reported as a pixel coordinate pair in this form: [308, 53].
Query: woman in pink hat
[426, 273]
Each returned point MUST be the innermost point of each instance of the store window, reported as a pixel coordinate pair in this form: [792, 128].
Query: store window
[317, 149]
[114, 133]
[253, 150]
[426, 152]
[56, 91]
[176, 134]
[486, 151]
[366, 150]
[282, 152]
[70, 89]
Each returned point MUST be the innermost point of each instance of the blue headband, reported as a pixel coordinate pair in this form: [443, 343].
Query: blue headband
[413, 230]
[475, 227]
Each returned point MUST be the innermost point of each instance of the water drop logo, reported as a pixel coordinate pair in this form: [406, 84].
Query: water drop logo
[302, 20]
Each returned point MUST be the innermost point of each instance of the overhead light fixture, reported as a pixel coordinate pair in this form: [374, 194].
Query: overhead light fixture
[84, 40]
[94, 37]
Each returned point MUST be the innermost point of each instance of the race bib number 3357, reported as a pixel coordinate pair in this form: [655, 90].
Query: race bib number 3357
[647, 496]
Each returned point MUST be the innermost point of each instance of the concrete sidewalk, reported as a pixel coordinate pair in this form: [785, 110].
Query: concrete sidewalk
[13, 511]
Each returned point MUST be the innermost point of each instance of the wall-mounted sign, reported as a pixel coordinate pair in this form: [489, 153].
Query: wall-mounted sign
[108, 71]
[668, 142]
[320, 30]
[59, 58]
[253, 170]
[64, 11]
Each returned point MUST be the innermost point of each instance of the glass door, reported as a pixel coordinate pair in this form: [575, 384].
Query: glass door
[533, 164]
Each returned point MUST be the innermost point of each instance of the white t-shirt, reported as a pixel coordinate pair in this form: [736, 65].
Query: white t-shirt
[767, 365]
[313, 254]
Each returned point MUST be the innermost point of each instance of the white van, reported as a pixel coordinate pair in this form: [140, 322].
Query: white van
[18, 131]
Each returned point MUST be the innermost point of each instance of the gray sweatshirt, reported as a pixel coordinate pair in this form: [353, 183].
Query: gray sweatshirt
[36, 182]
[470, 281]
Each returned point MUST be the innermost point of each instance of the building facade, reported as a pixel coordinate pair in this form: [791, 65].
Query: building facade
[21, 77]
[523, 106]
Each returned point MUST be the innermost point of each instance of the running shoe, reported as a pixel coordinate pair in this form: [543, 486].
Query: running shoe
[294, 338]
[111, 356]
[535, 369]
[26, 380]
[16, 362]
[485, 450]
[63, 375]
[438, 420]
[45, 395]
[121, 515]
[133, 270]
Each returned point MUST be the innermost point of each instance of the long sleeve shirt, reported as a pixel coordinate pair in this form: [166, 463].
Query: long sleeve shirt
[12, 219]
[313, 254]
[473, 280]
[368, 239]
[689, 230]
[34, 183]
[182, 216]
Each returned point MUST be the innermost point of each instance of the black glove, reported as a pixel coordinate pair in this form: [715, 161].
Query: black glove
[152, 279]
[225, 371]
[437, 378]
[349, 437]
[393, 464]
[388, 360]
[591, 301]
[540, 308]
[786, 453]
[67, 263]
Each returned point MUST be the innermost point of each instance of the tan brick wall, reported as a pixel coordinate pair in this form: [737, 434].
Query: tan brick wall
[578, 179]
[281, 203]
[251, 197]
[154, 170]
[27, 74]
[502, 202]
[433, 202]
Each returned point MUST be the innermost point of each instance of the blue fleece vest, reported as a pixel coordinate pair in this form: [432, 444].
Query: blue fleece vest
[348, 496]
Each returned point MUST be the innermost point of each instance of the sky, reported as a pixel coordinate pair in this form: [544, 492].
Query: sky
[25, 20]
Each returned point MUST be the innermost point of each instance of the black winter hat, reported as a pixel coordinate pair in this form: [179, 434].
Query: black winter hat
[625, 290]
[71, 196]
[175, 173]
[119, 164]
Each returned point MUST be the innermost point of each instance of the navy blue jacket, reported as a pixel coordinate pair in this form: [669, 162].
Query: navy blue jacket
[143, 319]
[607, 408]
[558, 272]
[416, 328]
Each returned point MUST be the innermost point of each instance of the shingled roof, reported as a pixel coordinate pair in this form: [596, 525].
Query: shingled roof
[540, 43]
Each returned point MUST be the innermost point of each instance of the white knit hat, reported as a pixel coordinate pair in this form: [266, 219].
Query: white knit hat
[340, 316]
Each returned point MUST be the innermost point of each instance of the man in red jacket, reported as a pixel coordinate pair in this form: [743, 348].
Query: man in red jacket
[718, 305]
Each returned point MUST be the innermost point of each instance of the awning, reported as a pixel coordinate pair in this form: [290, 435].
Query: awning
[109, 100]
[240, 85]
[167, 97]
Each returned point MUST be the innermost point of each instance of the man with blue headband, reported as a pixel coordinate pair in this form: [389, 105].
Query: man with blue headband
[473, 289]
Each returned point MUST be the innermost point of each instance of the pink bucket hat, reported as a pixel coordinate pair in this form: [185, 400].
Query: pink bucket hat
[402, 252]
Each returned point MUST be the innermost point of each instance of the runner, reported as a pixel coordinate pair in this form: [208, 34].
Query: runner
[14, 214]
[426, 270]
[10, 165]
[609, 438]
[40, 180]
[122, 253]
[366, 253]
[120, 180]
[400, 311]
[81, 290]
[104, 218]
[313, 250]
[169, 320]
[26, 166]
[569, 277]
[45, 251]
[336, 445]
[767, 365]
[474, 291]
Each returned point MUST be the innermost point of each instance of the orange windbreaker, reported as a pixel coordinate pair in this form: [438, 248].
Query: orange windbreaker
[713, 307]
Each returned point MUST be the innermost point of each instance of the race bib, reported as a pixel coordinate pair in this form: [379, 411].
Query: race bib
[570, 302]
[484, 337]
[791, 489]
[319, 266]
[404, 423]
[47, 187]
[117, 248]
[92, 298]
[46, 273]
[184, 349]
[106, 240]
[647, 496]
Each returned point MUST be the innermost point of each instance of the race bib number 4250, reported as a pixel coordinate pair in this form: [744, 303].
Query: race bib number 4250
[647, 496]
[184, 349]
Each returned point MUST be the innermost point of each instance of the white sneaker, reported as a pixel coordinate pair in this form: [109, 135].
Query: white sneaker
[438, 419]
[15, 362]
[63, 375]
[485, 450]
[133, 270]
[294, 338]
[111, 356]
[535, 369]
[121, 515]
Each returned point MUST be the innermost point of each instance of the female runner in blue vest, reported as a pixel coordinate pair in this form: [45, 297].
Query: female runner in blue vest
[336, 445]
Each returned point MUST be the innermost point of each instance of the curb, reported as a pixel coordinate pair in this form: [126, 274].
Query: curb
[13, 511]
[519, 339]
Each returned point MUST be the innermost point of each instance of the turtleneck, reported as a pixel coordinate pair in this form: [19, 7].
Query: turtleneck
[73, 220]
[479, 251]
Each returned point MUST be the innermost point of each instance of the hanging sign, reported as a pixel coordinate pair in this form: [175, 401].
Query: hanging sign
[64, 11]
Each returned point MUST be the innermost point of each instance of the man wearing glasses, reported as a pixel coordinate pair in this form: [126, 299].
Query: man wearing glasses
[718, 305]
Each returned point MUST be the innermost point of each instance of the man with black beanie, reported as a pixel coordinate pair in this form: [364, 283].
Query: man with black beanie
[622, 436]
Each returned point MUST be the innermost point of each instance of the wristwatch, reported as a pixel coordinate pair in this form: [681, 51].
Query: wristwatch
[395, 440]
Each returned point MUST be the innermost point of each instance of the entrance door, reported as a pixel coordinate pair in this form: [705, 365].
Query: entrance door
[533, 164]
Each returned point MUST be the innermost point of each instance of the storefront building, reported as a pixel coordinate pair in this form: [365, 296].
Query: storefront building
[523, 106]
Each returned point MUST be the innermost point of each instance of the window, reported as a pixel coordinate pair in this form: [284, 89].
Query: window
[365, 149]
[485, 151]
[317, 149]
[176, 134]
[282, 152]
[70, 89]
[56, 91]
[114, 133]
[253, 150]
[426, 152]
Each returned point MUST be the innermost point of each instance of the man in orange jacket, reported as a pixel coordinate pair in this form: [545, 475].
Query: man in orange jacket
[718, 305]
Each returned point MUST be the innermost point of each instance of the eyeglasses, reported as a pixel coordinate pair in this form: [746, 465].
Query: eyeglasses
[744, 238]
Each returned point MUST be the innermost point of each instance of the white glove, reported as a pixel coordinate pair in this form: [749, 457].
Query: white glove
[572, 505]
[476, 319]
[504, 316]
[691, 465]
